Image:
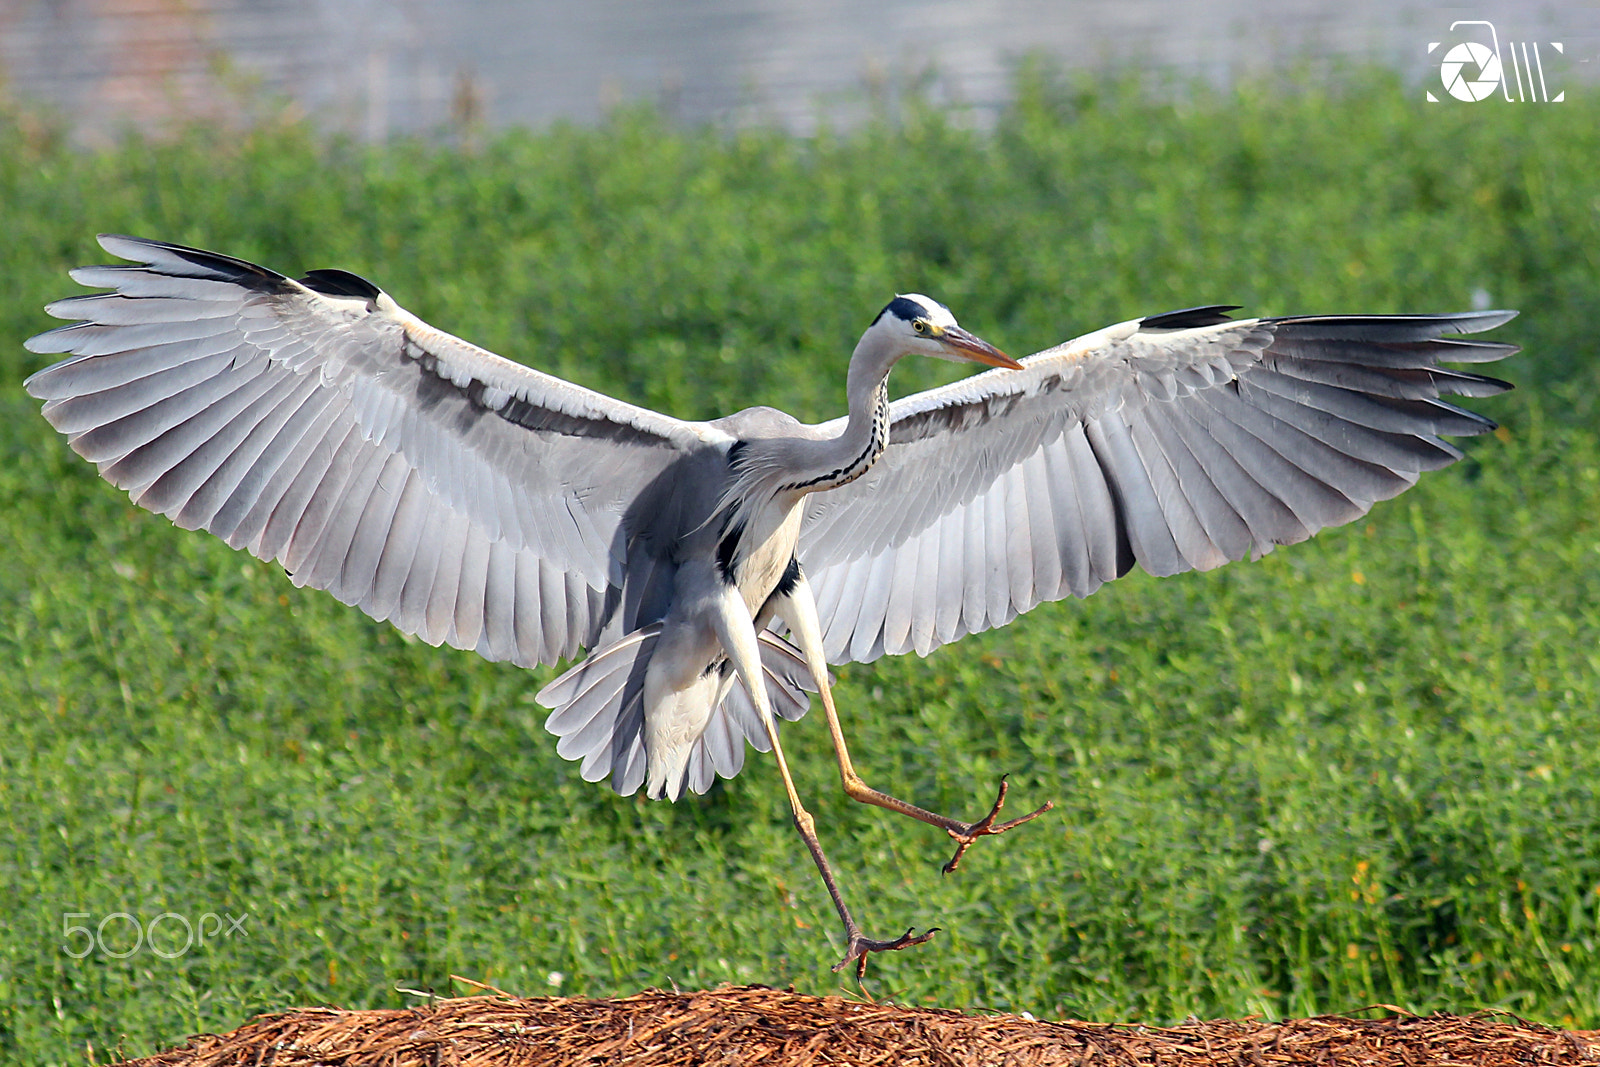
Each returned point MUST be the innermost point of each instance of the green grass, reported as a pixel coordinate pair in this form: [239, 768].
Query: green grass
[1359, 770]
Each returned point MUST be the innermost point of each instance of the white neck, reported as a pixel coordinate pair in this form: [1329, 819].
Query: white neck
[843, 459]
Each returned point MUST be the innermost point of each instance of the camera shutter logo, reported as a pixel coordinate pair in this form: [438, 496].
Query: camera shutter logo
[1470, 71]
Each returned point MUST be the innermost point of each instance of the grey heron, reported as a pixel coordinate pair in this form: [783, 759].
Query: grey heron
[713, 570]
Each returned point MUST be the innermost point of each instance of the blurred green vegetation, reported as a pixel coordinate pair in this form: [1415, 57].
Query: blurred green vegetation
[1360, 770]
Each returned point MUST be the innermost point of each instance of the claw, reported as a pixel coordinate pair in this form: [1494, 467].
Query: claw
[985, 826]
[861, 946]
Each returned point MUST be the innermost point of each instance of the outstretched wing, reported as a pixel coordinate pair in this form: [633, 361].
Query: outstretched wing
[463, 497]
[1181, 442]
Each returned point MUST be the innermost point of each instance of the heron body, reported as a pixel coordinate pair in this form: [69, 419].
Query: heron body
[737, 565]
[713, 570]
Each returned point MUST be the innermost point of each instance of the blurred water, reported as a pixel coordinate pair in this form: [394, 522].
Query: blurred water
[378, 67]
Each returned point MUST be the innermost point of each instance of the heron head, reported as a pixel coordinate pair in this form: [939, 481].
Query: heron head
[925, 327]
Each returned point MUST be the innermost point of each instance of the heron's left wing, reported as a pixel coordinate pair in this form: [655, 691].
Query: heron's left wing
[1179, 441]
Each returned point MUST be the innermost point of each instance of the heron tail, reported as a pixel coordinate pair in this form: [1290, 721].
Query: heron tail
[598, 714]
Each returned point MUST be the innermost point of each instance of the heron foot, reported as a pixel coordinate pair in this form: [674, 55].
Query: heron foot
[861, 946]
[985, 827]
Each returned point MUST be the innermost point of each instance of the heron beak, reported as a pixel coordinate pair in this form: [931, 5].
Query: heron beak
[971, 346]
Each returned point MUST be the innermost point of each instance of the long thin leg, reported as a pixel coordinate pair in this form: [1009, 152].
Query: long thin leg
[738, 635]
[799, 610]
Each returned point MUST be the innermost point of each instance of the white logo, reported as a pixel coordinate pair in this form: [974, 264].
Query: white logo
[1472, 70]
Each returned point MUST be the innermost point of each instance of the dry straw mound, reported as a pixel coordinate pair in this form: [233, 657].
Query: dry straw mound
[755, 1025]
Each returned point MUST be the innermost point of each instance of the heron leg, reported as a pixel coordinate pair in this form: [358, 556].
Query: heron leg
[799, 610]
[738, 635]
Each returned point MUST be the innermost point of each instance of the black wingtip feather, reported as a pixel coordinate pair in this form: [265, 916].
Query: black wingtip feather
[1190, 318]
[331, 281]
[1390, 328]
[241, 271]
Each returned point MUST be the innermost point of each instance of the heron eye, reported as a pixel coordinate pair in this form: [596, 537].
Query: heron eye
[920, 325]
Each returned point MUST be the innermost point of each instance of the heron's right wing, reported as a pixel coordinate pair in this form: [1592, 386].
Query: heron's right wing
[1179, 441]
[463, 497]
